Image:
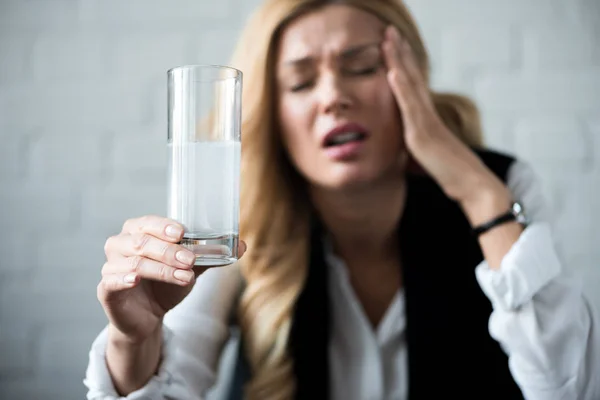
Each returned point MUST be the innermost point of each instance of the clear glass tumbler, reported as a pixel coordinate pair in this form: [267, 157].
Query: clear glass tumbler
[204, 150]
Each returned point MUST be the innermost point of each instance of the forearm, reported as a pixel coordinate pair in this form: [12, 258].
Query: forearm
[132, 365]
[543, 320]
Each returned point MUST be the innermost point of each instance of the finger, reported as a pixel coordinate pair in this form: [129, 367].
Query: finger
[146, 245]
[406, 56]
[242, 247]
[146, 268]
[115, 283]
[160, 227]
[397, 75]
[402, 82]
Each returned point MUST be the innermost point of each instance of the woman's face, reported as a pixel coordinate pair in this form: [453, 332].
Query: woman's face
[338, 117]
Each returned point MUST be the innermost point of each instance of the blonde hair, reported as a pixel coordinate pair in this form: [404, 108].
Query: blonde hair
[274, 209]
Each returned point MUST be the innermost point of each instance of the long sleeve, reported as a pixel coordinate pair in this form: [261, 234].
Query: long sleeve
[194, 335]
[541, 317]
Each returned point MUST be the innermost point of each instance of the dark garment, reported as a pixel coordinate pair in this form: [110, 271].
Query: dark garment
[450, 351]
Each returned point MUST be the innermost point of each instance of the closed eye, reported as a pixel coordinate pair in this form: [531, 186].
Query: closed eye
[301, 86]
[365, 71]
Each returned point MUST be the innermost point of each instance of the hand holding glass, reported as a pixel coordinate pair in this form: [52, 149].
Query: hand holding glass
[204, 112]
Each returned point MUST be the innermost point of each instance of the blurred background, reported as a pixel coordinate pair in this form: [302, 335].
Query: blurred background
[83, 134]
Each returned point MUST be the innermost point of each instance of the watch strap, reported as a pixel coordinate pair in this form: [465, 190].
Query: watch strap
[508, 217]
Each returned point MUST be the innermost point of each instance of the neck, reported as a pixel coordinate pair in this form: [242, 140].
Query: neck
[362, 223]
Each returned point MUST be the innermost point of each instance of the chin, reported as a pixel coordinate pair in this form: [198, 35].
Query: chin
[347, 177]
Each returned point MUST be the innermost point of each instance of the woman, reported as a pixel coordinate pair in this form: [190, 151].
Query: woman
[375, 256]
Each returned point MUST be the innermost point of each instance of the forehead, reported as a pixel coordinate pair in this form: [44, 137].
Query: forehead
[328, 30]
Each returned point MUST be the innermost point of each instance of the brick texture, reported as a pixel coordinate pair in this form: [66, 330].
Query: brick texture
[83, 131]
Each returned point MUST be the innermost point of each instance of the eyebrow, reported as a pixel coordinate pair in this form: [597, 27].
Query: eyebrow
[346, 53]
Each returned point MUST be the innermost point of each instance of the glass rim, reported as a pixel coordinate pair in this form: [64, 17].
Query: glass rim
[235, 71]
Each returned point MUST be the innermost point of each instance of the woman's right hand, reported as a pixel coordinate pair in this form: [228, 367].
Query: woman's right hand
[145, 275]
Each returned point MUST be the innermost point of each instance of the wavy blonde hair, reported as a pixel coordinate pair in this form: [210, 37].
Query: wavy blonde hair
[274, 207]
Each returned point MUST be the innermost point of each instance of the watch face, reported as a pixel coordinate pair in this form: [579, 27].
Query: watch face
[519, 213]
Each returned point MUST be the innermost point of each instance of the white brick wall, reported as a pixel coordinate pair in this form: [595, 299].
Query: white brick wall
[83, 123]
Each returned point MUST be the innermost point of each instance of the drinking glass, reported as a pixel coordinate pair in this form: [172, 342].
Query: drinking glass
[204, 150]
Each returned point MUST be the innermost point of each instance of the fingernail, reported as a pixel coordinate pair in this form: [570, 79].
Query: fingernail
[184, 276]
[174, 231]
[185, 257]
[130, 278]
[243, 246]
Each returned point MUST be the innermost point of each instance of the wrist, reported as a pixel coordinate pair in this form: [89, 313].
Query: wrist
[485, 203]
[132, 363]
[121, 340]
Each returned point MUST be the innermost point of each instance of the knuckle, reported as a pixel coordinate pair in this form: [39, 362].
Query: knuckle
[108, 245]
[138, 224]
[163, 249]
[101, 290]
[148, 222]
[163, 272]
[128, 224]
[105, 269]
[135, 263]
[139, 242]
[143, 221]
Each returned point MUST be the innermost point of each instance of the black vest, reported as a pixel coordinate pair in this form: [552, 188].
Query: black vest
[450, 351]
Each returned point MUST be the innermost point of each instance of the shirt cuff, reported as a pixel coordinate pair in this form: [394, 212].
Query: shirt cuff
[99, 382]
[528, 266]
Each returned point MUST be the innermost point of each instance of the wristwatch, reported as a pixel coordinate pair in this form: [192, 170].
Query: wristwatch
[516, 213]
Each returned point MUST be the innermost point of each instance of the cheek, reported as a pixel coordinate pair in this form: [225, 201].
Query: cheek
[381, 98]
[295, 121]
[383, 110]
[384, 115]
[293, 115]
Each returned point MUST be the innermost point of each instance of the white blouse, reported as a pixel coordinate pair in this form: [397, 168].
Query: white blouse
[541, 319]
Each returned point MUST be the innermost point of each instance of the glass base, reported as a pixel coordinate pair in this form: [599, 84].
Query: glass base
[212, 251]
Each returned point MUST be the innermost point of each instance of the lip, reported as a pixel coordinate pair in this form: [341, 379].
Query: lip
[345, 152]
[347, 127]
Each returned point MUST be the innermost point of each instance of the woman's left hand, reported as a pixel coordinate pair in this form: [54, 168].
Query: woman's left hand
[457, 169]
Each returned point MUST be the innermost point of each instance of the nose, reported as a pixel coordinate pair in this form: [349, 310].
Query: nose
[333, 96]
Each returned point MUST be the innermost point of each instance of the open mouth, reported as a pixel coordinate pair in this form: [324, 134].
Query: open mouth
[344, 138]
